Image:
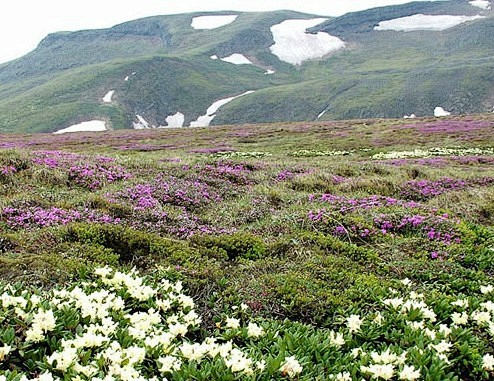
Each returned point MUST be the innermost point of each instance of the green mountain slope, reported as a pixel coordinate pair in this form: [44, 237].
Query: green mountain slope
[160, 66]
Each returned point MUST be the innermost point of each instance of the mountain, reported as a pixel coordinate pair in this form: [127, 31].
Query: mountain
[235, 67]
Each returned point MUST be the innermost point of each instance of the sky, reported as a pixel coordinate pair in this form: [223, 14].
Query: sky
[23, 23]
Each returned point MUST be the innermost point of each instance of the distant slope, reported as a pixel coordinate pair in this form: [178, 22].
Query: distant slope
[160, 66]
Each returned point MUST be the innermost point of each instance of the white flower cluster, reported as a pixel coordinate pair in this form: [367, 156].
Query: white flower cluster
[242, 155]
[437, 151]
[316, 153]
[122, 334]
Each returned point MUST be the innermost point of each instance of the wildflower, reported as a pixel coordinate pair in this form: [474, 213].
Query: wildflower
[486, 289]
[4, 351]
[481, 317]
[406, 282]
[409, 373]
[460, 303]
[253, 330]
[384, 371]
[232, 323]
[459, 319]
[395, 303]
[238, 362]
[336, 338]
[378, 319]
[442, 347]
[354, 322]
[488, 362]
[343, 376]
[291, 367]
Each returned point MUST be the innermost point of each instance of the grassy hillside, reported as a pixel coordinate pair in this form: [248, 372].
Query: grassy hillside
[302, 229]
[160, 65]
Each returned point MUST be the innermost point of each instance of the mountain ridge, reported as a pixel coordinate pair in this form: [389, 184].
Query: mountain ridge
[161, 66]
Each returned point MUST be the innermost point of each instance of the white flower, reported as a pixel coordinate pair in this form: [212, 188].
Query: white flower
[44, 320]
[238, 362]
[232, 323]
[459, 319]
[488, 306]
[178, 329]
[481, 317]
[244, 307]
[378, 319]
[260, 365]
[354, 322]
[4, 351]
[442, 347]
[193, 351]
[384, 371]
[343, 376]
[253, 330]
[356, 352]
[406, 282]
[34, 334]
[103, 272]
[291, 367]
[488, 362]
[486, 289]
[409, 373]
[45, 377]
[444, 330]
[460, 303]
[169, 364]
[63, 359]
[416, 325]
[430, 333]
[395, 302]
[336, 338]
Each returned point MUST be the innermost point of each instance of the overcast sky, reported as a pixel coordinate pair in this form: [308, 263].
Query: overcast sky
[23, 23]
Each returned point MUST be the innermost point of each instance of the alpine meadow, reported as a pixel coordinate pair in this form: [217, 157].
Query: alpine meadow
[252, 196]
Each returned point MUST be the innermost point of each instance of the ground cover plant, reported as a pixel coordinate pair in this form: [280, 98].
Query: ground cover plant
[331, 251]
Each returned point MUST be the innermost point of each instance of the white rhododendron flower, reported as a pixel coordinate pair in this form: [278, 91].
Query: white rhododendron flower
[488, 362]
[232, 323]
[336, 339]
[253, 330]
[459, 319]
[384, 371]
[291, 367]
[486, 289]
[353, 323]
[409, 373]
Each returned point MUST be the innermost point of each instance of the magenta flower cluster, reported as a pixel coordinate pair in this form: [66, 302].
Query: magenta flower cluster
[426, 189]
[94, 176]
[170, 190]
[429, 223]
[8, 170]
[28, 217]
[85, 171]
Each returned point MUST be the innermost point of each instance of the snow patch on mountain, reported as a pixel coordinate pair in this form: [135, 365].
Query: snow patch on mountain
[482, 4]
[107, 98]
[439, 111]
[89, 126]
[424, 22]
[212, 22]
[411, 116]
[237, 59]
[176, 120]
[141, 123]
[205, 120]
[294, 45]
